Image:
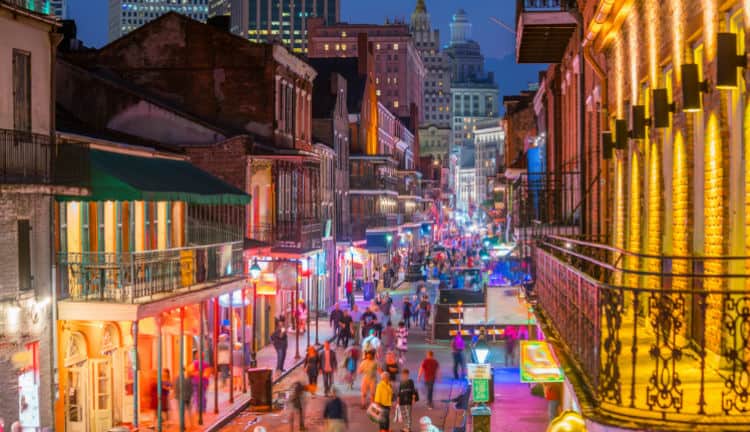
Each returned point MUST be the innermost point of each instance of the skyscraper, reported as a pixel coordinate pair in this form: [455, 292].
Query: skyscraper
[59, 8]
[127, 15]
[435, 130]
[282, 20]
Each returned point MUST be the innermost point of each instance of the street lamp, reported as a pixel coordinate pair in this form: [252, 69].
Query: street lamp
[482, 351]
[255, 275]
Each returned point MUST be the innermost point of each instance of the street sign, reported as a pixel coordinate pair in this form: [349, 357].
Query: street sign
[538, 363]
[477, 371]
[480, 390]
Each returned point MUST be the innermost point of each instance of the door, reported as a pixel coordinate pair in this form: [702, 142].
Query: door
[75, 400]
[101, 415]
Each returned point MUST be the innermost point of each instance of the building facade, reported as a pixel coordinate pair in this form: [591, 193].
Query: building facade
[271, 20]
[489, 145]
[466, 181]
[398, 68]
[124, 16]
[473, 102]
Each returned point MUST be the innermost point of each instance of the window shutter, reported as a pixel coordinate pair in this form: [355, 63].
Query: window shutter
[24, 255]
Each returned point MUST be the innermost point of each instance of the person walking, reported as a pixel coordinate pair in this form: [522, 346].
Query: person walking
[510, 345]
[356, 324]
[312, 368]
[428, 372]
[367, 321]
[345, 329]
[389, 337]
[297, 404]
[368, 368]
[329, 367]
[407, 396]
[457, 349]
[384, 398]
[390, 365]
[402, 341]
[183, 393]
[334, 319]
[349, 287]
[223, 358]
[280, 343]
[351, 357]
[335, 414]
[406, 312]
[424, 306]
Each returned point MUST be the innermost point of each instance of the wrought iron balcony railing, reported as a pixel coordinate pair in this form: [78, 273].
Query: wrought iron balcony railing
[305, 234]
[133, 277]
[656, 343]
[543, 29]
[373, 183]
[30, 158]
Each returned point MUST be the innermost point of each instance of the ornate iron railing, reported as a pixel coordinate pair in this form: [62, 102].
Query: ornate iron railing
[31, 158]
[373, 183]
[131, 277]
[657, 350]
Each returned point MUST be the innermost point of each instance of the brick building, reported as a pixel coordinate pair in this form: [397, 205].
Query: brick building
[398, 68]
[520, 128]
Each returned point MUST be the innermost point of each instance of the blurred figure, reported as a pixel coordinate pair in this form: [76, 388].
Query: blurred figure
[428, 371]
[402, 341]
[312, 368]
[345, 329]
[371, 344]
[389, 337]
[301, 317]
[391, 365]
[297, 406]
[553, 395]
[351, 358]
[223, 358]
[183, 393]
[406, 314]
[280, 343]
[407, 396]
[334, 413]
[350, 293]
[356, 324]
[334, 319]
[384, 398]
[457, 349]
[329, 366]
[368, 368]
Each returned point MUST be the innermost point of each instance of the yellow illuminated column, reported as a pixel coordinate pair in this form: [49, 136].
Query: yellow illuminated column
[680, 209]
[161, 228]
[634, 217]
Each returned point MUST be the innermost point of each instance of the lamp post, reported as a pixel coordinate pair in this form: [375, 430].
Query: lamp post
[255, 275]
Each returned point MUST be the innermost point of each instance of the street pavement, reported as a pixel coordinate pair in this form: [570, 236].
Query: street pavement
[514, 409]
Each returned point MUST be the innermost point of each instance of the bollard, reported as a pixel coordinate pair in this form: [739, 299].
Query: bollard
[480, 418]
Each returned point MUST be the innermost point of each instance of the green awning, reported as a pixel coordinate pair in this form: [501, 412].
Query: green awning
[122, 177]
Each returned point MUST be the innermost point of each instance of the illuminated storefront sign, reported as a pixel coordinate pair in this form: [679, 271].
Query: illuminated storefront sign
[538, 364]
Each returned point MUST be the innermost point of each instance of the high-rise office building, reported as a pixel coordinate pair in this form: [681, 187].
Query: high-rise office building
[59, 8]
[276, 20]
[435, 130]
[127, 15]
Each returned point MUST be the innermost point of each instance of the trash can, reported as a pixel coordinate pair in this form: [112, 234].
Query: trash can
[260, 386]
[480, 418]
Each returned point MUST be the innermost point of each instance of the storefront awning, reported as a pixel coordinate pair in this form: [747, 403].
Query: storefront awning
[124, 177]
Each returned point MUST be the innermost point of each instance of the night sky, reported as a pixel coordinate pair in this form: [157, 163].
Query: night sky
[497, 43]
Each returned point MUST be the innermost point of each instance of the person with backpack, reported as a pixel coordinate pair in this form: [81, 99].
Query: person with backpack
[351, 357]
[457, 349]
[407, 396]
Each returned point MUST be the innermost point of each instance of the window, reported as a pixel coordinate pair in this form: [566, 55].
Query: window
[63, 217]
[343, 47]
[326, 47]
[21, 90]
[377, 46]
[395, 104]
[24, 255]
[395, 46]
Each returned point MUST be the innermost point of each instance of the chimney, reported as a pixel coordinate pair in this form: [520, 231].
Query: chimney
[363, 50]
[221, 22]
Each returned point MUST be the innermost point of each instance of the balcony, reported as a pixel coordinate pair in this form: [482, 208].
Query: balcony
[30, 159]
[304, 234]
[543, 29]
[137, 277]
[649, 342]
[373, 183]
[360, 225]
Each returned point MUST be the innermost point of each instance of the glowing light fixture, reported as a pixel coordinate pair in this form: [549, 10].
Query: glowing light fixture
[662, 108]
[255, 270]
[692, 87]
[727, 61]
[482, 351]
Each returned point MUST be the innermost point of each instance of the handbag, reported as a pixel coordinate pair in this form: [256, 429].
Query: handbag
[397, 418]
[376, 413]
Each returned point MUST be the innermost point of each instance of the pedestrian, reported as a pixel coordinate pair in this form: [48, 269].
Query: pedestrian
[384, 398]
[367, 321]
[406, 314]
[371, 344]
[345, 329]
[368, 369]
[297, 406]
[334, 319]
[390, 365]
[329, 367]
[462, 404]
[407, 396]
[166, 389]
[457, 349]
[280, 343]
[301, 317]
[334, 413]
[312, 369]
[223, 358]
[510, 345]
[424, 306]
[428, 372]
[349, 286]
[351, 357]
[402, 341]
[183, 394]
[389, 337]
[357, 324]
[415, 310]
[553, 395]
[376, 279]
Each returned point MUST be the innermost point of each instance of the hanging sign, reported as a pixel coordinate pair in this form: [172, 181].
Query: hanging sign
[538, 364]
[286, 276]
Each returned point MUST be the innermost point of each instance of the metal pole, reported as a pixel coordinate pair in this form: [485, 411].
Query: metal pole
[308, 286]
[244, 341]
[255, 320]
[317, 311]
[216, 355]
[294, 309]
[200, 397]
[231, 348]
[135, 372]
[159, 383]
[182, 367]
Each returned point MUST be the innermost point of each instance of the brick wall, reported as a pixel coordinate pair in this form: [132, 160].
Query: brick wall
[655, 229]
